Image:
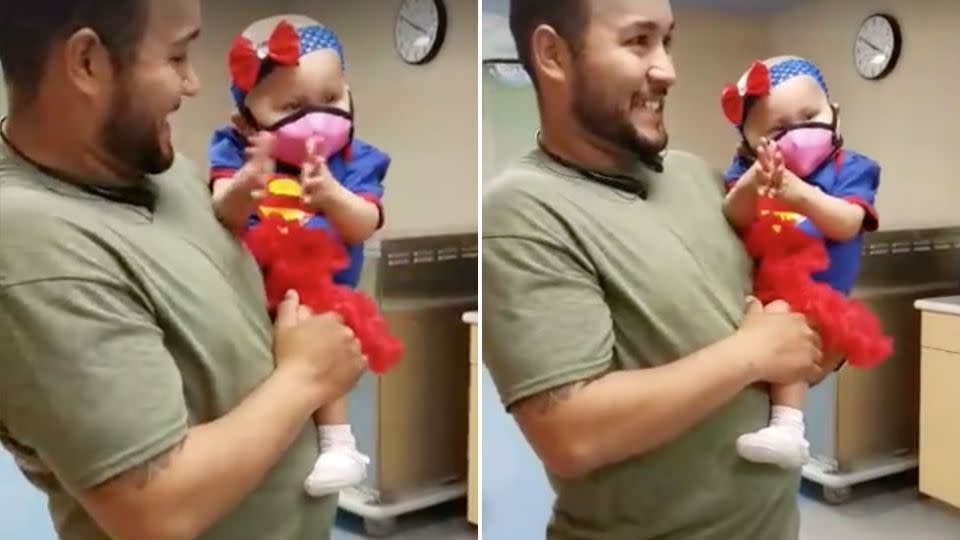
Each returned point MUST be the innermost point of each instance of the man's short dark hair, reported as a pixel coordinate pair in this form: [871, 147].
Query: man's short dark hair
[30, 28]
[568, 17]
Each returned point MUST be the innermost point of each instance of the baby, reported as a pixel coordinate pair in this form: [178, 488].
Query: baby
[291, 155]
[802, 204]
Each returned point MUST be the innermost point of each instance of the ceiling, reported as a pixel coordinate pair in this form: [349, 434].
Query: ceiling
[502, 7]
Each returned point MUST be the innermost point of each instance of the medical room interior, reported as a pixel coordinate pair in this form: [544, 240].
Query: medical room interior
[414, 422]
[885, 442]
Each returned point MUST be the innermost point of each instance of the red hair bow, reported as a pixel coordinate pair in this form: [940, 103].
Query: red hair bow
[755, 83]
[282, 48]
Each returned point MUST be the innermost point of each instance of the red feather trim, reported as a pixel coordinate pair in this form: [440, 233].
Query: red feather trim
[305, 260]
[786, 259]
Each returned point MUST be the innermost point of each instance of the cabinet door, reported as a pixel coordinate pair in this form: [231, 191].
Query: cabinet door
[474, 443]
[939, 428]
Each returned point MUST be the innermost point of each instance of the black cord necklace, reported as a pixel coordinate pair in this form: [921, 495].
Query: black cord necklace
[620, 182]
[140, 196]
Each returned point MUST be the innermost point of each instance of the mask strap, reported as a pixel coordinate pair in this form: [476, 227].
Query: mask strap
[834, 124]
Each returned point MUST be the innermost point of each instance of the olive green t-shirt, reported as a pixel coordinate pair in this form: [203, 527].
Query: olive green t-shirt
[119, 329]
[580, 279]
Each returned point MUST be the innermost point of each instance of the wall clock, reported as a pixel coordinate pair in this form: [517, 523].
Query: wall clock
[419, 30]
[877, 48]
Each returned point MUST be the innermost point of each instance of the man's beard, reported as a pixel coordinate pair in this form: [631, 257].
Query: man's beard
[601, 117]
[131, 138]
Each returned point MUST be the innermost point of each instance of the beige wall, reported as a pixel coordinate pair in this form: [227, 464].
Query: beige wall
[908, 121]
[425, 117]
[710, 50]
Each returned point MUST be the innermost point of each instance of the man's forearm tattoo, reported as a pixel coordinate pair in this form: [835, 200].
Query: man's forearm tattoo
[550, 399]
[142, 475]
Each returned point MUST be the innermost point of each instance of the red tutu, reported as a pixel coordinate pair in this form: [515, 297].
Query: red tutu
[786, 260]
[292, 257]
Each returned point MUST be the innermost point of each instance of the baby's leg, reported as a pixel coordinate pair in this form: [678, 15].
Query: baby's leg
[782, 442]
[340, 464]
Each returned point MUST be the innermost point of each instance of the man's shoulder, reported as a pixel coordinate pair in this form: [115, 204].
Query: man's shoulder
[47, 235]
[525, 192]
[681, 165]
[687, 163]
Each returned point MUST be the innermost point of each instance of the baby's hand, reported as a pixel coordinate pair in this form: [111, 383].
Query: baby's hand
[251, 180]
[320, 188]
[771, 168]
[234, 199]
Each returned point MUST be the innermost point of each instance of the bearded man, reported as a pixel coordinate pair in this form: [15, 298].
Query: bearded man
[143, 387]
[617, 324]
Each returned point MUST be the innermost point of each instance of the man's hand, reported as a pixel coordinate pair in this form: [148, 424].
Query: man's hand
[786, 348]
[830, 363]
[320, 348]
[577, 428]
[189, 487]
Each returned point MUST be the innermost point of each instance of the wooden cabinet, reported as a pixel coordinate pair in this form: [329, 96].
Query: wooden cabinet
[939, 403]
[474, 442]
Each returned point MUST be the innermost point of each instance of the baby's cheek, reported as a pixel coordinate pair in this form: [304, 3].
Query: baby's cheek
[825, 116]
[263, 111]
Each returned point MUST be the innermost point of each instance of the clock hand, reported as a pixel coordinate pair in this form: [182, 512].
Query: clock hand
[411, 23]
[872, 46]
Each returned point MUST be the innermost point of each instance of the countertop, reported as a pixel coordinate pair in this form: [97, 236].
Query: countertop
[470, 317]
[946, 305]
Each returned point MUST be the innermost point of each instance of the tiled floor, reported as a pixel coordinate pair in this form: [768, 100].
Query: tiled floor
[443, 523]
[888, 509]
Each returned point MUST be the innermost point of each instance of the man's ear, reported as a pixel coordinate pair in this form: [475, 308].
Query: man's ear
[87, 62]
[240, 124]
[550, 54]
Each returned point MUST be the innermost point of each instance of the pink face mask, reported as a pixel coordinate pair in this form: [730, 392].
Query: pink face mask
[806, 148]
[329, 127]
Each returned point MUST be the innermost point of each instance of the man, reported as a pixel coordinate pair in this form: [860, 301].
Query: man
[141, 385]
[616, 324]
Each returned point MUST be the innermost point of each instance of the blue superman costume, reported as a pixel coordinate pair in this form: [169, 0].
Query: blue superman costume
[295, 247]
[795, 262]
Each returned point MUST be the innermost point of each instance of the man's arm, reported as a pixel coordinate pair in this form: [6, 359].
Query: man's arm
[88, 383]
[580, 427]
[180, 493]
[548, 343]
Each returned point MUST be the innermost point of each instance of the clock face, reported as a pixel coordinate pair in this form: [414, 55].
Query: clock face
[419, 31]
[877, 47]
